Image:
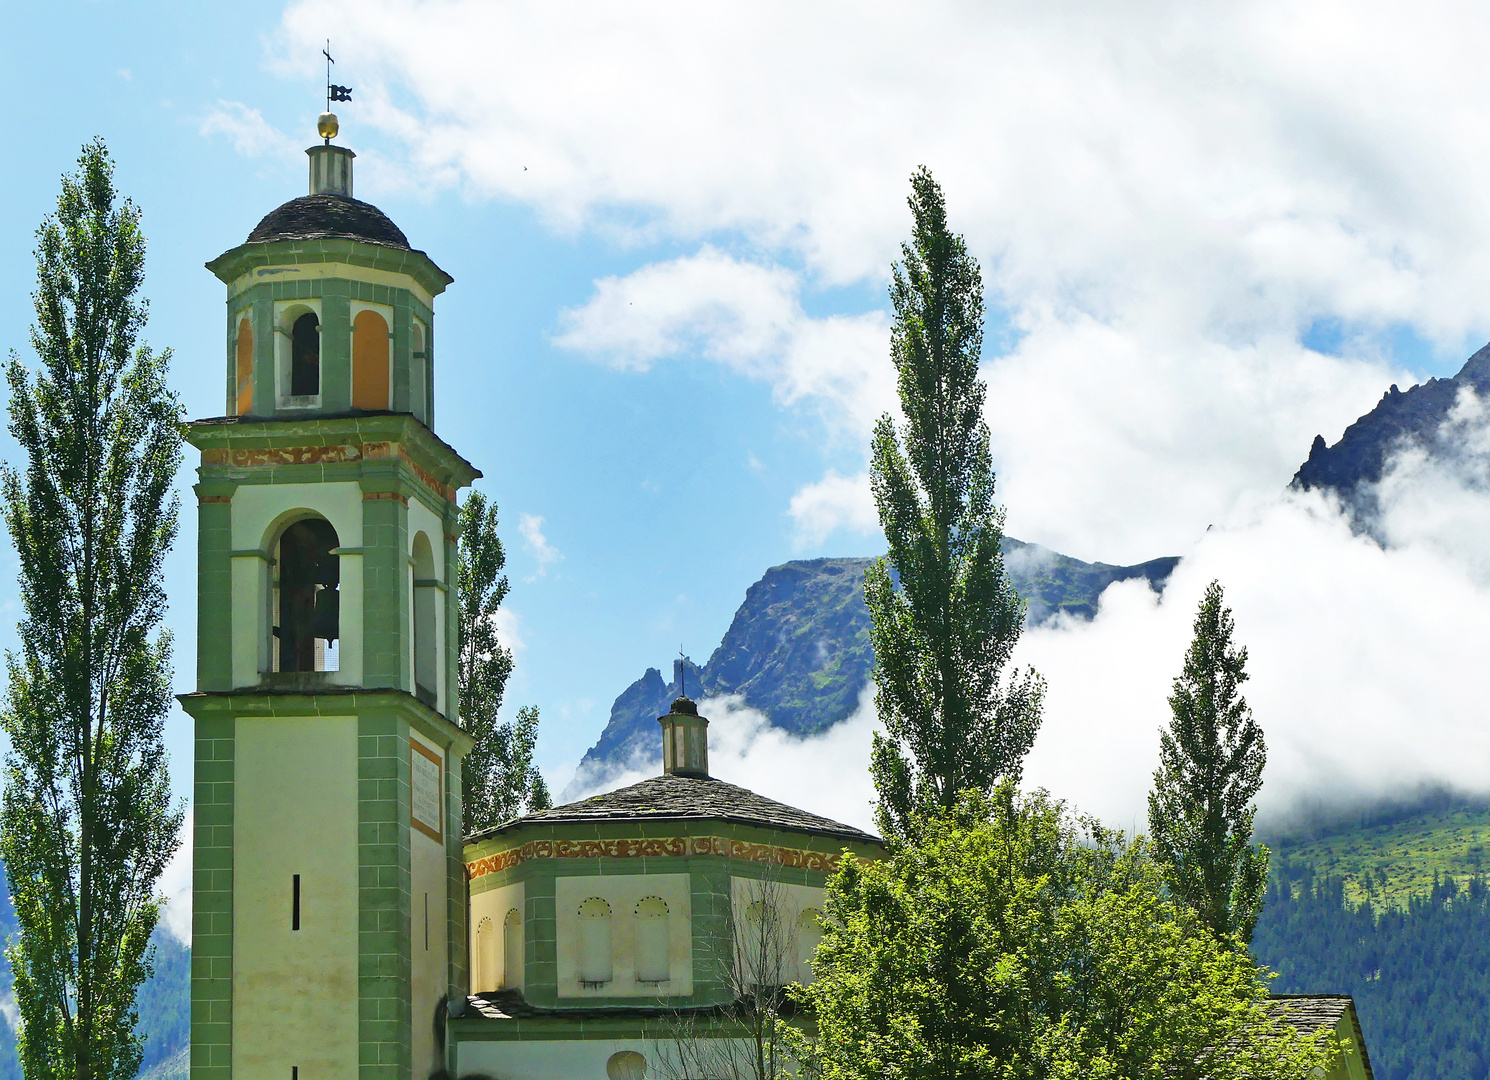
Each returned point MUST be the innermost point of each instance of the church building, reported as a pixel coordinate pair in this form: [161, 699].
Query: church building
[342, 925]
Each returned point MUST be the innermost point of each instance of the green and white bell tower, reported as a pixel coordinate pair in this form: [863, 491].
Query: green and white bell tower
[329, 890]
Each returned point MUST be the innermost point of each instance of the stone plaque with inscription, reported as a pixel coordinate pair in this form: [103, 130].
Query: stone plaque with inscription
[425, 769]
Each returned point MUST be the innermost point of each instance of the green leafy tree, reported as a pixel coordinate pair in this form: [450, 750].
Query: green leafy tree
[498, 779]
[1210, 770]
[1013, 942]
[945, 616]
[86, 823]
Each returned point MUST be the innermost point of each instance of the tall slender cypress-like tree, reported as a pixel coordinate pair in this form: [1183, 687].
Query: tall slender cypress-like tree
[945, 616]
[498, 778]
[86, 823]
[1210, 769]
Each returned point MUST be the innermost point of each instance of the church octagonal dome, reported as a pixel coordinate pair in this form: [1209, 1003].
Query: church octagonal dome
[329, 216]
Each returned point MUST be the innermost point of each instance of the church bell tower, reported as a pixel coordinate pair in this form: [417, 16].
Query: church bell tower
[328, 929]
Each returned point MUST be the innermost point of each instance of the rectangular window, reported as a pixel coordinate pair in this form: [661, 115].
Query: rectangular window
[295, 904]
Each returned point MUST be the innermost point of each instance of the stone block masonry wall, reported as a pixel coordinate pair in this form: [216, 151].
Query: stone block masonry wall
[384, 964]
[212, 902]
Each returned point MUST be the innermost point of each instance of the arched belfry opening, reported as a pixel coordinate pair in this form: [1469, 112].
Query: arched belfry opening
[305, 356]
[307, 603]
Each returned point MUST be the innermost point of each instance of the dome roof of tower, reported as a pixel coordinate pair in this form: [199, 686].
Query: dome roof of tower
[321, 217]
[681, 798]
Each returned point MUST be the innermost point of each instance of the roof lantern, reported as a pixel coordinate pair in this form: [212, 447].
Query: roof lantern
[685, 740]
[330, 166]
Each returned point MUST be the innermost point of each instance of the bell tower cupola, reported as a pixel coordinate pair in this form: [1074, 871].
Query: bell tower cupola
[330, 310]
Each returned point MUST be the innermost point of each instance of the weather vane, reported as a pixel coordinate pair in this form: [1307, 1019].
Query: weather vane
[682, 673]
[333, 92]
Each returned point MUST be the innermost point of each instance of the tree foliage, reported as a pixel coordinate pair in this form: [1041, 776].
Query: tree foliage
[1013, 942]
[1210, 770]
[945, 615]
[498, 779]
[86, 824]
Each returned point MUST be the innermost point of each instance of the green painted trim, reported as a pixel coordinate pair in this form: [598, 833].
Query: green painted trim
[255, 701]
[253, 553]
[431, 583]
[385, 600]
[212, 901]
[385, 962]
[234, 263]
[214, 591]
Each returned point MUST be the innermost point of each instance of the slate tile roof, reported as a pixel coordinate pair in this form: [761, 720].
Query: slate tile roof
[1308, 1013]
[684, 798]
[329, 216]
[1311, 1013]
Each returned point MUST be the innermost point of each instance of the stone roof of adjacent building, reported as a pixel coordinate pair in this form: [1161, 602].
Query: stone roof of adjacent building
[687, 798]
[329, 216]
[1309, 1014]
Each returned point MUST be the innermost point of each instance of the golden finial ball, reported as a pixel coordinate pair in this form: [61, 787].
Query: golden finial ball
[327, 126]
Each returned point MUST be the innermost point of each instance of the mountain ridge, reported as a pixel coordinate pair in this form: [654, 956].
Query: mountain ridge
[798, 650]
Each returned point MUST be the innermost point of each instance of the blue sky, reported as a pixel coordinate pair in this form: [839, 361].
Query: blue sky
[670, 229]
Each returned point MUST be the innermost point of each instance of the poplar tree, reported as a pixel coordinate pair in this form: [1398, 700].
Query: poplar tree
[1210, 769]
[945, 616]
[86, 822]
[498, 779]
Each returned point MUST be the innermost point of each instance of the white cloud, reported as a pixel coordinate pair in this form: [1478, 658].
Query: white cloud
[531, 528]
[1250, 163]
[1365, 663]
[507, 624]
[749, 318]
[1437, 495]
[251, 134]
[175, 884]
[832, 503]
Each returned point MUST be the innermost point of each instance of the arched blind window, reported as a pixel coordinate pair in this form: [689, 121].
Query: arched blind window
[369, 361]
[809, 937]
[651, 940]
[243, 402]
[486, 940]
[594, 942]
[305, 356]
[512, 950]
